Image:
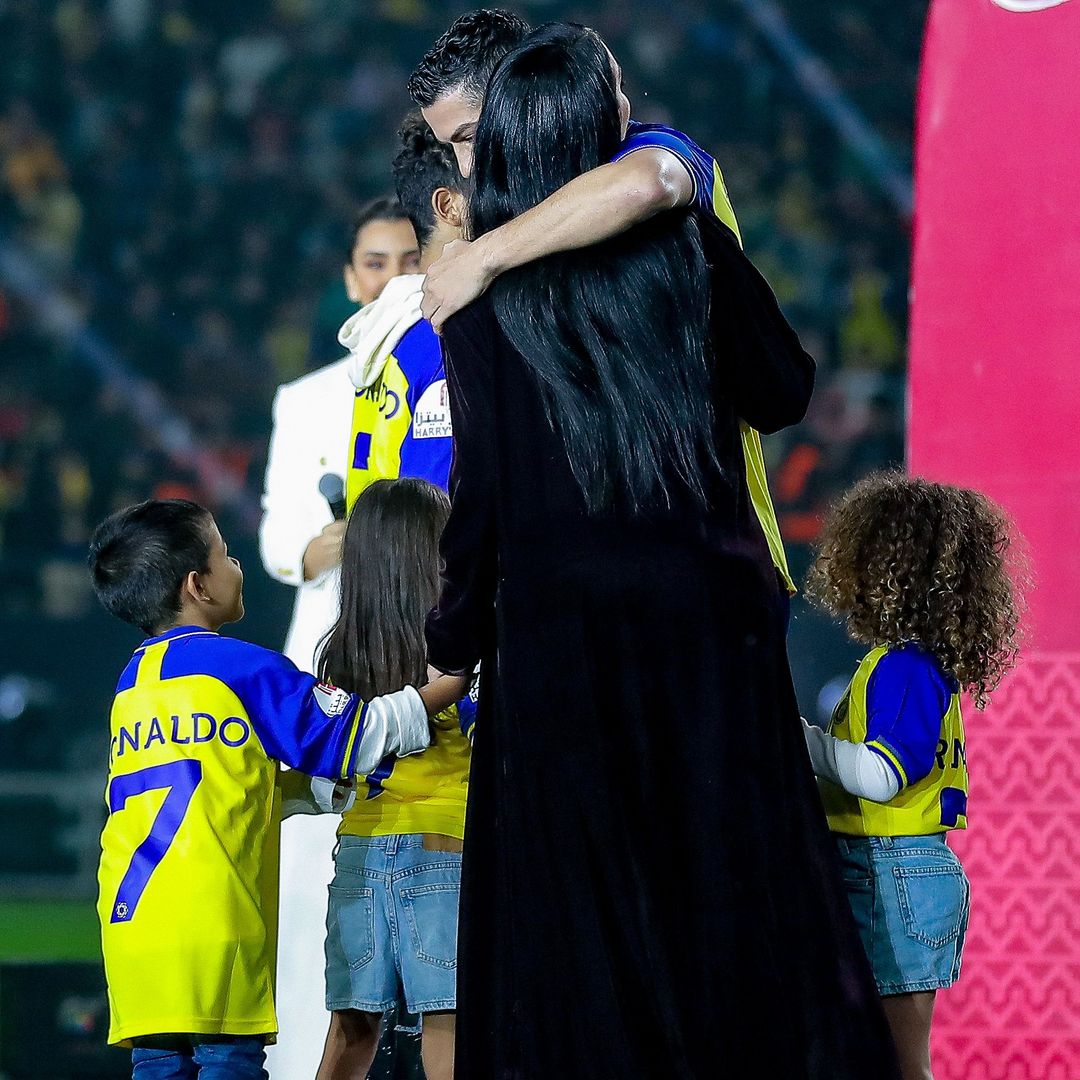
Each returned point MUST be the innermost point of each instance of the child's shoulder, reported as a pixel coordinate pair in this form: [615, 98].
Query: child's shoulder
[221, 657]
[908, 662]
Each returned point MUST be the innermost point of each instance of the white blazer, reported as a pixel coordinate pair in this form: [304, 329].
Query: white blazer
[312, 429]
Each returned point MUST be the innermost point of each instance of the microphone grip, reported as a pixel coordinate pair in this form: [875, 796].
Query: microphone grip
[332, 489]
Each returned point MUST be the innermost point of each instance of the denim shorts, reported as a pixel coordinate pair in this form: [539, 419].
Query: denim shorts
[910, 897]
[392, 922]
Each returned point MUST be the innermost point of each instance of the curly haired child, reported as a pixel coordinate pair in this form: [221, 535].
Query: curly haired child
[919, 572]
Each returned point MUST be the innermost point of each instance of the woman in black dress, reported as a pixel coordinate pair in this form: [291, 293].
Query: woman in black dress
[649, 889]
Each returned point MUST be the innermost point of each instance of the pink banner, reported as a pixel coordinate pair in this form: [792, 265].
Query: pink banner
[995, 404]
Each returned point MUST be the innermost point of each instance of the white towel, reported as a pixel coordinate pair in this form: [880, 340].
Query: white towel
[372, 334]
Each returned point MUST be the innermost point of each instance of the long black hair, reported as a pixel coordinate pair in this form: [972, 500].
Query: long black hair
[615, 334]
[389, 583]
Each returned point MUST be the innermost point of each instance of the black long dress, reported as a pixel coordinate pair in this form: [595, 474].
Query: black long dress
[649, 889]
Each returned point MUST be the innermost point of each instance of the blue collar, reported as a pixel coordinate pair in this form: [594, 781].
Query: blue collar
[175, 632]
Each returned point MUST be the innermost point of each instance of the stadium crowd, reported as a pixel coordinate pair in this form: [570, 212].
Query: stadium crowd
[186, 171]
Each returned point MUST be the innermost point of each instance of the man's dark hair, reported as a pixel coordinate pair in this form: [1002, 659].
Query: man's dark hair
[140, 556]
[422, 166]
[384, 208]
[466, 55]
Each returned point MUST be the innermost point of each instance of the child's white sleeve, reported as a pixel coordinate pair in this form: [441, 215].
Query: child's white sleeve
[854, 766]
[393, 724]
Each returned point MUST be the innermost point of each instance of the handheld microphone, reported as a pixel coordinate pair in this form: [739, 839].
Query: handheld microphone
[332, 489]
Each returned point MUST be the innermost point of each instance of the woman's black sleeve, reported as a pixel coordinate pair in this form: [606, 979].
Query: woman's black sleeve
[462, 626]
[761, 367]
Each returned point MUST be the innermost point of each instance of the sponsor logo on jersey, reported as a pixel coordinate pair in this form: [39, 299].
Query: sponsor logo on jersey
[332, 700]
[387, 400]
[431, 419]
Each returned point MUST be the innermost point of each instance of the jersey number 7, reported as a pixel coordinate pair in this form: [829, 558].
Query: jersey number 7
[181, 778]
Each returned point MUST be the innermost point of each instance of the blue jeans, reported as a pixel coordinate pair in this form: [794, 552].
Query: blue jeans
[200, 1057]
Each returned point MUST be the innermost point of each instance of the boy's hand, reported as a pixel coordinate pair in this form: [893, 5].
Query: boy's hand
[324, 552]
[455, 280]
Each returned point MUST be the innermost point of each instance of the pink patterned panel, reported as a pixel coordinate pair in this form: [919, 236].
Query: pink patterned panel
[1015, 1014]
[995, 404]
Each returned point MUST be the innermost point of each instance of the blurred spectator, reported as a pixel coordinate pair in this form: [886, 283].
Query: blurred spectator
[810, 472]
[880, 444]
[867, 335]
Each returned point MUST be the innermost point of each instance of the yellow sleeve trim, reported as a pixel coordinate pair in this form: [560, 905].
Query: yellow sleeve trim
[892, 759]
[357, 724]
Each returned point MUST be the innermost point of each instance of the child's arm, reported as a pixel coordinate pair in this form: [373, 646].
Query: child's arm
[854, 766]
[443, 690]
[906, 698]
[303, 794]
[319, 729]
[392, 724]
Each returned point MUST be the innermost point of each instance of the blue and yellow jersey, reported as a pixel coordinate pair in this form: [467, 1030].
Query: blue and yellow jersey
[401, 427]
[907, 710]
[189, 853]
[710, 191]
[425, 793]
[710, 194]
[401, 423]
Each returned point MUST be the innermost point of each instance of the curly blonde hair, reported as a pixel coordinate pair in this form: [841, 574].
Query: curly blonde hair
[903, 559]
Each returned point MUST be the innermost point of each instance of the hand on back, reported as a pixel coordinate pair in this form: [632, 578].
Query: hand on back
[454, 281]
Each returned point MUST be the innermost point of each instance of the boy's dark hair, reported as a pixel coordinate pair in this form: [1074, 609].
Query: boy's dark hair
[903, 559]
[384, 208]
[140, 556]
[466, 55]
[422, 166]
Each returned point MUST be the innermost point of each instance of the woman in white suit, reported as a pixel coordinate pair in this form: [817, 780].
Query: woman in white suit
[299, 540]
[300, 543]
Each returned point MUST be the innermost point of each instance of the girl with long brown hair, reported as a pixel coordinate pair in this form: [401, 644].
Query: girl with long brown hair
[392, 916]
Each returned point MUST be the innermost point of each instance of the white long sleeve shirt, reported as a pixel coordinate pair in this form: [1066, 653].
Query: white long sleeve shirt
[854, 766]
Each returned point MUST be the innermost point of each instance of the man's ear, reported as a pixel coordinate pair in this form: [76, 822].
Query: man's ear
[449, 206]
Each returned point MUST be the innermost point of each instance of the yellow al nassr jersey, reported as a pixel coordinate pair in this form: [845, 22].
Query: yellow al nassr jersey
[188, 877]
[402, 427]
[425, 793]
[710, 193]
[401, 423]
[906, 709]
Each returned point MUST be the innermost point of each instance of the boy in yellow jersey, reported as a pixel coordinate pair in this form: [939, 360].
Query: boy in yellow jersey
[917, 570]
[188, 873]
[401, 409]
[657, 169]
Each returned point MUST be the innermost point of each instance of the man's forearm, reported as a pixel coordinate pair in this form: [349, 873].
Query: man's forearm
[591, 208]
